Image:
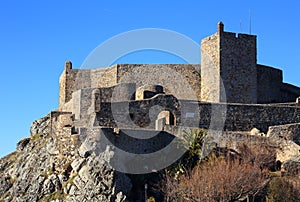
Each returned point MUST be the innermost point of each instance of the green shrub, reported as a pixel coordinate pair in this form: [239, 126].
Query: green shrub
[35, 136]
[192, 141]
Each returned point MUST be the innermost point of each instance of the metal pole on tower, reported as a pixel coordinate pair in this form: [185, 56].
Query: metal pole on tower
[250, 21]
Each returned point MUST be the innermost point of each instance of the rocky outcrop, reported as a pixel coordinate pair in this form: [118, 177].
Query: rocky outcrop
[37, 172]
[56, 164]
[287, 132]
[292, 166]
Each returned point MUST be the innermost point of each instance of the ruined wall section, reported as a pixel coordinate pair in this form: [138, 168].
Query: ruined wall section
[183, 81]
[65, 141]
[64, 84]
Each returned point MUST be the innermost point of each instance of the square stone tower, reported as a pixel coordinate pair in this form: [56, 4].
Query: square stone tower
[228, 67]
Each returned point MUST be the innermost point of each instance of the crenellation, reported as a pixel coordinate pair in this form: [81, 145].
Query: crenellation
[68, 66]
[220, 27]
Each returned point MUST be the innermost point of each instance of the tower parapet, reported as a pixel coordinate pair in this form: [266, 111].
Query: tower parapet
[220, 27]
[68, 65]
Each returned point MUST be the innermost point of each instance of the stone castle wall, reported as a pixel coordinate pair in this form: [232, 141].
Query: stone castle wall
[269, 81]
[82, 100]
[229, 60]
[288, 92]
[239, 117]
[72, 80]
[271, 89]
[210, 59]
[238, 67]
[180, 80]
[183, 81]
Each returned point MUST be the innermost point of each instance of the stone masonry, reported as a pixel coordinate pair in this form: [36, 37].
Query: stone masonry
[149, 96]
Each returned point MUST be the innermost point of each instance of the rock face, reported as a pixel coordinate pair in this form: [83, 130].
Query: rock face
[288, 132]
[54, 165]
[37, 172]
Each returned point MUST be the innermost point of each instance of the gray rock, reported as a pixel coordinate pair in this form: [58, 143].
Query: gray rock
[56, 181]
[292, 166]
[40, 126]
[5, 184]
[48, 187]
[255, 131]
[22, 143]
[67, 188]
[38, 171]
[73, 190]
[51, 148]
[77, 164]
[84, 174]
[120, 197]
[84, 150]
[62, 178]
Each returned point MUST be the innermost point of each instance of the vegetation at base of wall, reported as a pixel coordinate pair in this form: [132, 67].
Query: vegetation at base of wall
[151, 199]
[225, 175]
[192, 141]
[35, 137]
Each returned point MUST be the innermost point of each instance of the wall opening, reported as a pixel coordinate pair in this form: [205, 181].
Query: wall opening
[169, 117]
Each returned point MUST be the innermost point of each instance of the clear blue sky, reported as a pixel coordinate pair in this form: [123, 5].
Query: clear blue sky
[37, 37]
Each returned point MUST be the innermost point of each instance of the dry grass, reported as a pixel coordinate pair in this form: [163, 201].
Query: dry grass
[223, 178]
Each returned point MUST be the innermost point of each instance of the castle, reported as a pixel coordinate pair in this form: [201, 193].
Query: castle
[254, 94]
[142, 108]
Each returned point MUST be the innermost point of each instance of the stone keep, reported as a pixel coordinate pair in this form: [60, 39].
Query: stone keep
[228, 67]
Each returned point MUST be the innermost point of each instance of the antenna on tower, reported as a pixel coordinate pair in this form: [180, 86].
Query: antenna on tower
[250, 23]
[241, 28]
